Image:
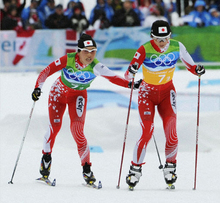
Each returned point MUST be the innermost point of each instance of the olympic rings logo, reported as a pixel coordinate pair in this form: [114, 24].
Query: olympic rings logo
[162, 59]
[79, 76]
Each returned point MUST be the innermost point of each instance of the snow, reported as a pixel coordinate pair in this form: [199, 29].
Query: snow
[105, 128]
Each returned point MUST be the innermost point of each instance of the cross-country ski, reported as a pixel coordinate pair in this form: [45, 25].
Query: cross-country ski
[47, 181]
[93, 185]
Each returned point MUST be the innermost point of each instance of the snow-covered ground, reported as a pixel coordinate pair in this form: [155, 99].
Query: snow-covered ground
[104, 130]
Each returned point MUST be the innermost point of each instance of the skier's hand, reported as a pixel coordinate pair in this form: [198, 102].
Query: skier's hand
[136, 84]
[200, 70]
[36, 94]
[133, 69]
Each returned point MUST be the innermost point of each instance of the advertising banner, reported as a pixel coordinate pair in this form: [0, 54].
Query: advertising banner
[116, 46]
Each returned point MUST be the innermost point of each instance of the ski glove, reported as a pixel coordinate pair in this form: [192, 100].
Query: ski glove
[136, 84]
[133, 69]
[36, 94]
[200, 70]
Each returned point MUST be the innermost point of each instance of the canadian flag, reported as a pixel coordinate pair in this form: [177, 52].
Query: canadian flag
[162, 29]
[23, 41]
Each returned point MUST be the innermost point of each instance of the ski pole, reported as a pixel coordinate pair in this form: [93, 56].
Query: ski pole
[197, 132]
[22, 142]
[161, 165]
[126, 129]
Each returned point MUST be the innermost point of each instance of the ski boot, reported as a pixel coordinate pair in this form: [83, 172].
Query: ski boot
[133, 177]
[170, 175]
[45, 165]
[88, 174]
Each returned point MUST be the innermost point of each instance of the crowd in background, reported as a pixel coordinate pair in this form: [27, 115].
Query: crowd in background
[46, 14]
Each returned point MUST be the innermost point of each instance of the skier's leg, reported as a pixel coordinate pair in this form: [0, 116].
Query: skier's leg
[56, 110]
[77, 112]
[146, 112]
[167, 111]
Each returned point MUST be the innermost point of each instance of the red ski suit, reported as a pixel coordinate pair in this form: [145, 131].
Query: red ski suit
[61, 96]
[157, 89]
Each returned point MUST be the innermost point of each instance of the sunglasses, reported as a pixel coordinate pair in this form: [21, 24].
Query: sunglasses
[165, 39]
[86, 51]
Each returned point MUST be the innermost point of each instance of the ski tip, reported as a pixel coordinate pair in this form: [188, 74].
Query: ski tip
[53, 183]
[100, 185]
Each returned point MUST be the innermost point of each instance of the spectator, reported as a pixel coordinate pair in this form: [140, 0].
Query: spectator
[78, 20]
[156, 13]
[26, 13]
[19, 6]
[137, 10]
[4, 11]
[145, 7]
[199, 17]
[126, 17]
[100, 7]
[102, 22]
[70, 8]
[169, 8]
[213, 3]
[188, 9]
[11, 21]
[109, 2]
[215, 16]
[33, 21]
[58, 20]
[46, 8]
[116, 5]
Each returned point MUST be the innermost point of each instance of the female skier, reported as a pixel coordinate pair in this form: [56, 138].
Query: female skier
[78, 70]
[158, 58]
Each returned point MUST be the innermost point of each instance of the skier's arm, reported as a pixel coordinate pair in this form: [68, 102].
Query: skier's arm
[137, 59]
[104, 71]
[187, 59]
[50, 69]
[44, 74]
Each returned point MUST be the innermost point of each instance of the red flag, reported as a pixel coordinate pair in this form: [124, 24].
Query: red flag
[23, 41]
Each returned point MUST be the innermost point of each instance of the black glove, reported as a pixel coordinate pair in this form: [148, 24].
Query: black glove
[133, 69]
[200, 70]
[136, 84]
[36, 94]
